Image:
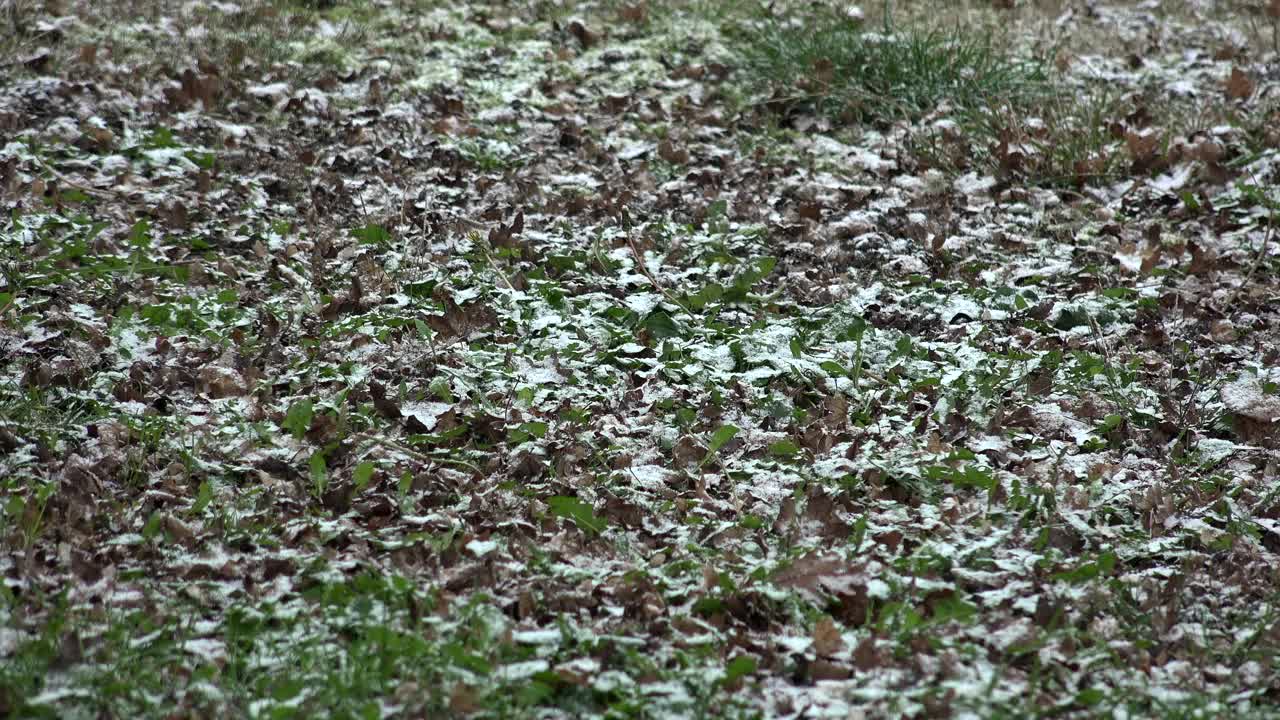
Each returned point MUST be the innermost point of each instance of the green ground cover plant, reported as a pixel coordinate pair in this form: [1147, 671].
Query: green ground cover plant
[638, 359]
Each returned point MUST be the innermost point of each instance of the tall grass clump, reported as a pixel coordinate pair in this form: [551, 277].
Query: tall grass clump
[833, 64]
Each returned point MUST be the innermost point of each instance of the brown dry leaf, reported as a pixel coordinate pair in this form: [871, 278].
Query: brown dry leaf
[810, 211]
[687, 451]
[636, 12]
[1273, 9]
[816, 439]
[1227, 52]
[865, 656]
[1142, 145]
[823, 71]
[179, 531]
[584, 35]
[669, 152]
[1151, 260]
[1202, 259]
[464, 700]
[37, 61]
[1239, 85]
[826, 670]
[220, 382]
[504, 235]
[827, 639]
[809, 571]
[710, 578]
[1207, 151]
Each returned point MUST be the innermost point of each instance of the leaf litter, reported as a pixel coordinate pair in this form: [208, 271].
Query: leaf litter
[519, 362]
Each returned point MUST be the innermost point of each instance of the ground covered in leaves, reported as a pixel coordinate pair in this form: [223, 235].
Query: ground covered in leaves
[393, 359]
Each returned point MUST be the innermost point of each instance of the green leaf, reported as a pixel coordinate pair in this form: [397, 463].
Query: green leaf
[319, 472]
[1109, 423]
[660, 325]
[784, 448]
[832, 368]
[140, 234]
[720, 437]
[203, 497]
[535, 692]
[859, 532]
[152, 528]
[1107, 562]
[973, 476]
[298, 419]
[1089, 697]
[571, 508]
[536, 429]
[372, 234]
[738, 667]
[708, 605]
[362, 475]
[203, 160]
[458, 656]
[709, 294]
[854, 331]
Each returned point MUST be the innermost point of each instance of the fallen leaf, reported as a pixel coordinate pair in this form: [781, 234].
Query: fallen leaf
[827, 639]
[1239, 85]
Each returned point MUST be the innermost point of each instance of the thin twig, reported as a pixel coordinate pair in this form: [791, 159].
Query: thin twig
[635, 251]
[87, 189]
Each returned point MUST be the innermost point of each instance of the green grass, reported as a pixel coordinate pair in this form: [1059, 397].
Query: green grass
[344, 648]
[837, 66]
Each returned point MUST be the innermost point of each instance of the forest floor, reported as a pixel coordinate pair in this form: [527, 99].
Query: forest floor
[538, 359]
